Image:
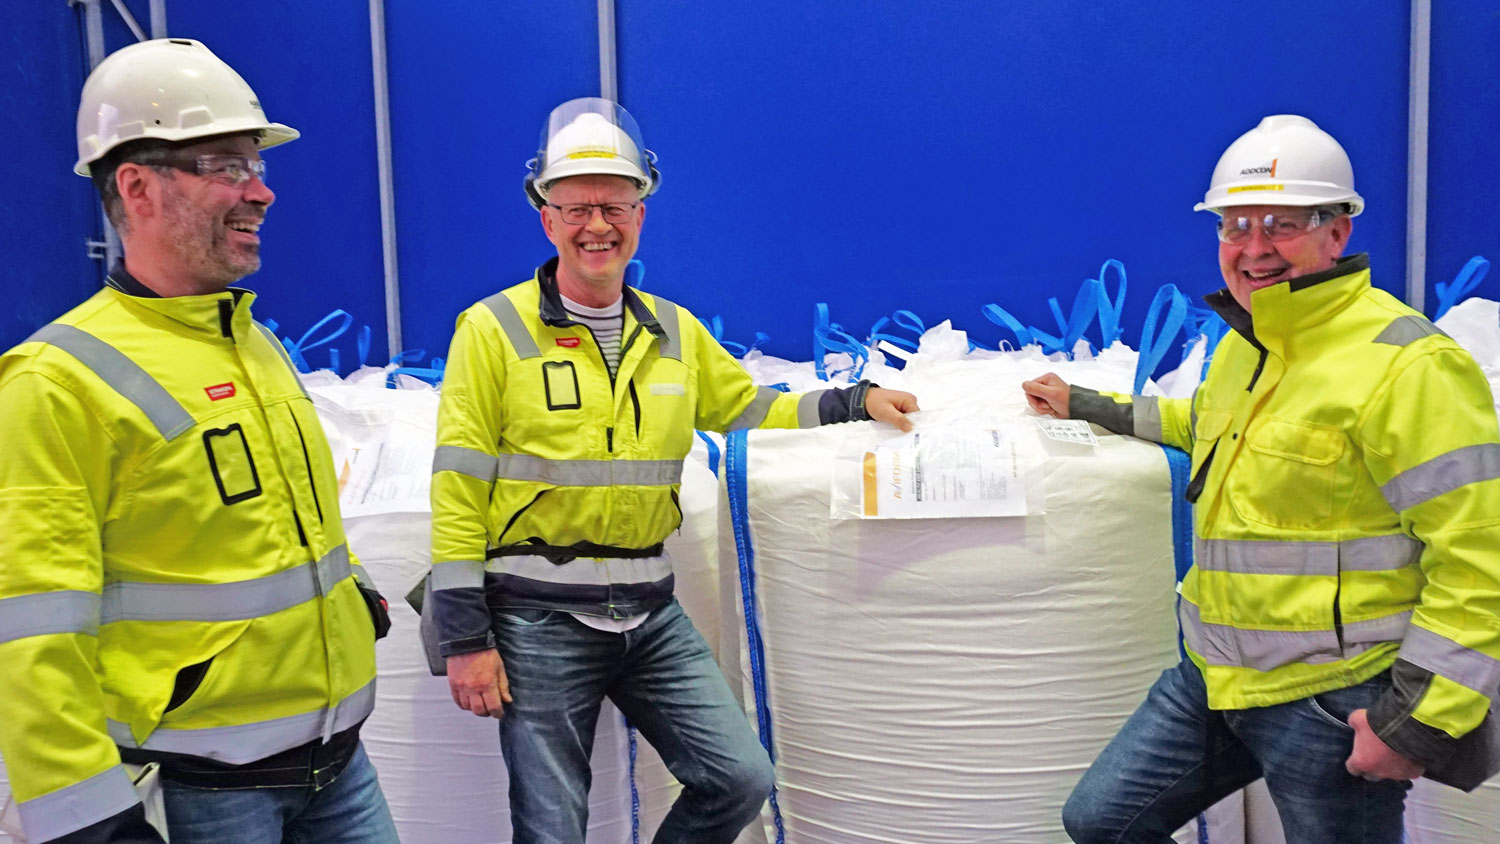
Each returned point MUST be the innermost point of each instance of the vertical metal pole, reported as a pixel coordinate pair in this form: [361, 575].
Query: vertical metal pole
[93, 25]
[387, 184]
[158, 18]
[1416, 155]
[609, 80]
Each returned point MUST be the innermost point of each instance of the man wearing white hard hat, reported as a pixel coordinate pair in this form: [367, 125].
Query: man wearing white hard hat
[569, 403]
[188, 640]
[1342, 616]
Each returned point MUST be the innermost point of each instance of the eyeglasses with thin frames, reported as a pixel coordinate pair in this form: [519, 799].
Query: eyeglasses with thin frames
[577, 214]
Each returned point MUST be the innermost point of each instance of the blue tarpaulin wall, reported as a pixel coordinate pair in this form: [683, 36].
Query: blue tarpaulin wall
[882, 155]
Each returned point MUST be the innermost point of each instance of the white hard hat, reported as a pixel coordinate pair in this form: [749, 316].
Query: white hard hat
[590, 136]
[169, 89]
[1286, 160]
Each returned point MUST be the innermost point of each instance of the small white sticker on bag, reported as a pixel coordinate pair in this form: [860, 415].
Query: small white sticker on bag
[1068, 431]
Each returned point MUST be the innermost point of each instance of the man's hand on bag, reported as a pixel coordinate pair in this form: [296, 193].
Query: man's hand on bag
[478, 682]
[1372, 758]
[891, 406]
[1048, 395]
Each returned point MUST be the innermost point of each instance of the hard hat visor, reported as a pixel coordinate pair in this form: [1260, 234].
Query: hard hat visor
[592, 136]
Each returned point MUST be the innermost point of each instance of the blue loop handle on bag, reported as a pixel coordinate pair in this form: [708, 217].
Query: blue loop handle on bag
[1154, 343]
[1109, 311]
[1002, 317]
[1085, 306]
[715, 328]
[362, 345]
[635, 274]
[1450, 293]
[903, 319]
[310, 340]
[831, 337]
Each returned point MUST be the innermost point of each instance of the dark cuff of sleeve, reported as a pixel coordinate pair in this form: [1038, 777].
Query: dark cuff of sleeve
[1392, 721]
[127, 827]
[845, 405]
[1090, 406]
[463, 621]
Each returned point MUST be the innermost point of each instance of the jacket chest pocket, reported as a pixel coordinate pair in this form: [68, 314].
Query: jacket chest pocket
[1286, 475]
[230, 463]
[560, 385]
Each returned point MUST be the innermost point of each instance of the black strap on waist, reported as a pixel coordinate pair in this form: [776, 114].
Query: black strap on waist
[560, 554]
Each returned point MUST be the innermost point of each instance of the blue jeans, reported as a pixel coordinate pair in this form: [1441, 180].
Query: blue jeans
[1158, 772]
[349, 810]
[663, 677]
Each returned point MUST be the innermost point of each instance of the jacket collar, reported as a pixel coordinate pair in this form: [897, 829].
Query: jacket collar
[1282, 309]
[554, 314]
[221, 315]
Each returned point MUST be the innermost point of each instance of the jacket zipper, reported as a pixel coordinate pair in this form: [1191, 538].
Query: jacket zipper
[635, 402]
[516, 515]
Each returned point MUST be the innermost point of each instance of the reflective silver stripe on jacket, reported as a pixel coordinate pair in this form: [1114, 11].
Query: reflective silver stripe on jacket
[1146, 418]
[755, 413]
[666, 317]
[1444, 473]
[513, 326]
[43, 613]
[241, 599]
[242, 743]
[285, 357]
[122, 374]
[465, 461]
[1445, 657]
[808, 415]
[1266, 650]
[1254, 556]
[76, 806]
[1408, 329]
[458, 574]
[584, 571]
[528, 467]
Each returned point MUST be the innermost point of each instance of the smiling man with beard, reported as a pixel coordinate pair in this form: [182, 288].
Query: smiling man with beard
[1342, 615]
[177, 601]
[569, 403]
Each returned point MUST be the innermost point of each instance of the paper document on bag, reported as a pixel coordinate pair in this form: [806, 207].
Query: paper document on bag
[1068, 431]
[390, 477]
[940, 473]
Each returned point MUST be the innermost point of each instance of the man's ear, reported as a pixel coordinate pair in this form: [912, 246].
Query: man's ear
[136, 183]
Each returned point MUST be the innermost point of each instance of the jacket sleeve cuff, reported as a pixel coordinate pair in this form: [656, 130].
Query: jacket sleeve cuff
[846, 404]
[463, 621]
[1391, 719]
[1092, 406]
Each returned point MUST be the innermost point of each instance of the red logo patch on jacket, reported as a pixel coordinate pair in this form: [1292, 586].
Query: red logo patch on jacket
[568, 342]
[220, 391]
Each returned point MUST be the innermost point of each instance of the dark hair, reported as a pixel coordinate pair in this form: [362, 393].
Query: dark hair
[102, 171]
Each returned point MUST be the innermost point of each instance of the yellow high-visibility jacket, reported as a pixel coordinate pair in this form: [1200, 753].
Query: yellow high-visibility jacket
[1346, 470]
[169, 533]
[554, 484]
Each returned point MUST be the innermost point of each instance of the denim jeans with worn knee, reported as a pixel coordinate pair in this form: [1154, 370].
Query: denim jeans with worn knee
[349, 810]
[1175, 758]
[663, 677]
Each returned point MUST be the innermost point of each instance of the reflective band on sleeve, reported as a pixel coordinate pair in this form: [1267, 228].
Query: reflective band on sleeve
[808, 415]
[1406, 330]
[1444, 473]
[666, 317]
[513, 326]
[1147, 418]
[122, 375]
[458, 574]
[1253, 556]
[81, 804]
[136, 601]
[465, 461]
[755, 413]
[583, 571]
[528, 467]
[48, 612]
[361, 575]
[242, 743]
[1441, 655]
